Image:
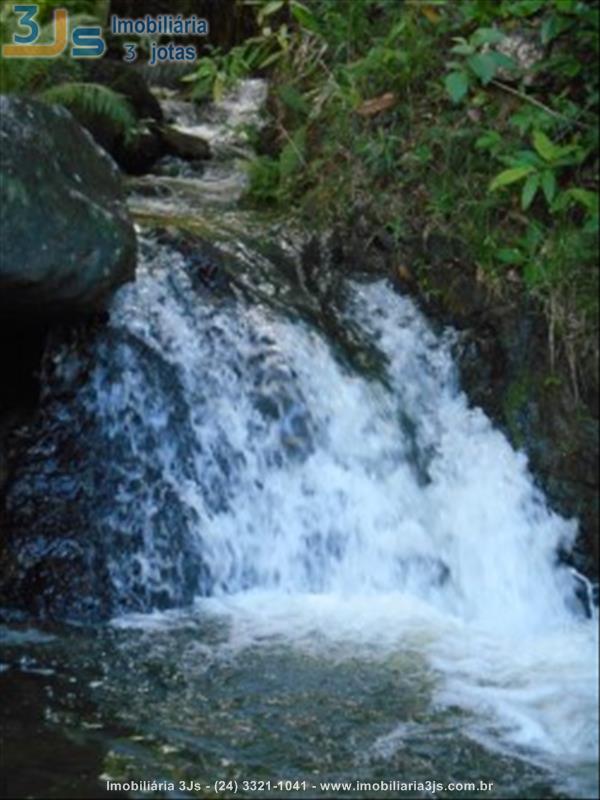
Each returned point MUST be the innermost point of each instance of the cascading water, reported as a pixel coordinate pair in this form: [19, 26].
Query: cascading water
[333, 493]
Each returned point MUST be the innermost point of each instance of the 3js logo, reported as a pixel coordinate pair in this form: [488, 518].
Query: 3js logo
[86, 41]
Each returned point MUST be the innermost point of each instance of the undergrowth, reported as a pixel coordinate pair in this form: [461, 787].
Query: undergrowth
[474, 119]
[62, 80]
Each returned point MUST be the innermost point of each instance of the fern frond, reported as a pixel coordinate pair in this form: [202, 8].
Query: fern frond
[94, 99]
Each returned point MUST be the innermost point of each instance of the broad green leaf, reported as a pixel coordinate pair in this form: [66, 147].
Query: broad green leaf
[484, 66]
[547, 149]
[586, 198]
[486, 36]
[304, 16]
[548, 30]
[457, 85]
[525, 8]
[551, 27]
[508, 176]
[530, 187]
[502, 61]
[549, 185]
[271, 8]
[521, 158]
[529, 157]
[463, 49]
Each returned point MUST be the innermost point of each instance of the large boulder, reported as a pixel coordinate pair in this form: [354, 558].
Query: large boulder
[66, 238]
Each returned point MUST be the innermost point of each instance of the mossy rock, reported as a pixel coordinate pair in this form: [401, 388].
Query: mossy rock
[67, 239]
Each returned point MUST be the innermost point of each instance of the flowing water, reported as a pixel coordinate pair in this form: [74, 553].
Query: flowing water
[370, 579]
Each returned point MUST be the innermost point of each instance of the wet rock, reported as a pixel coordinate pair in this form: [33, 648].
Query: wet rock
[135, 152]
[502, 355]
[509, 375]
[182, 144]
[68, 550]
[175, 167]
[165, 74]
[67, 240]
[207, 266]
[129, 82]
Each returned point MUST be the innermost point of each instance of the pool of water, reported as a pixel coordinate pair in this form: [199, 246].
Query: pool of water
[196, 697]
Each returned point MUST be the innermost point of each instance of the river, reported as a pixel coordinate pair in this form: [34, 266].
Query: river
[319, 562]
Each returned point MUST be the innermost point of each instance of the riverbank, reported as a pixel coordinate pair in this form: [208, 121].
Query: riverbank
[455, 149]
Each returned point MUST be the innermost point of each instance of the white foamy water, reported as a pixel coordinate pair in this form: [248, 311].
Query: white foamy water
[221, 181]
[222, 124]
[368, 515]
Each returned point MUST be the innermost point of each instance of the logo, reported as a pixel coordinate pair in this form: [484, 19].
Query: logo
[86, 41]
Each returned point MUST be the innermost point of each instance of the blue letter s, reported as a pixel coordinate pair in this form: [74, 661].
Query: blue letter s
[88, 43]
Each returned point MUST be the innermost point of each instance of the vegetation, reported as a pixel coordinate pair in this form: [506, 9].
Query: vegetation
[474, 119]
[62, 80]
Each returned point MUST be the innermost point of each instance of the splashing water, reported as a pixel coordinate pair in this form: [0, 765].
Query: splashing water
[343, 512]
[232, 452]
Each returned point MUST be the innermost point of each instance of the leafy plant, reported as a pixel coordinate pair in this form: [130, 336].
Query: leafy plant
[96, 100]
[219, 71]
[538, 169]
[479, 64]
[531, 223]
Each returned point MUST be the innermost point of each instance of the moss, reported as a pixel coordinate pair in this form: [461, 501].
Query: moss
[515, 402]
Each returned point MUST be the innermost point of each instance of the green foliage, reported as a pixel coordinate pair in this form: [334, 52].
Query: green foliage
[58, 80]
[219, 71]
[96, 9]
[94, 100]
[539, 169]
[480, 62]
[478, 142]
[424, 116]
[272, 179]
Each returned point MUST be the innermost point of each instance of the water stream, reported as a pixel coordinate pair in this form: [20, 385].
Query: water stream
[369, 577]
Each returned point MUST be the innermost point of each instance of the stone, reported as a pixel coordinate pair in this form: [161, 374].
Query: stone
[137, 152]
[67, 239]
[182, 144]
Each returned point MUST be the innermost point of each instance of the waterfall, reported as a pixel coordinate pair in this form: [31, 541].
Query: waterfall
[215, 442]
[240, 440]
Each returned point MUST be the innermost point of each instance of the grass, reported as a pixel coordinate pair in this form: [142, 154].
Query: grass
[422, 117]
[508, 169]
